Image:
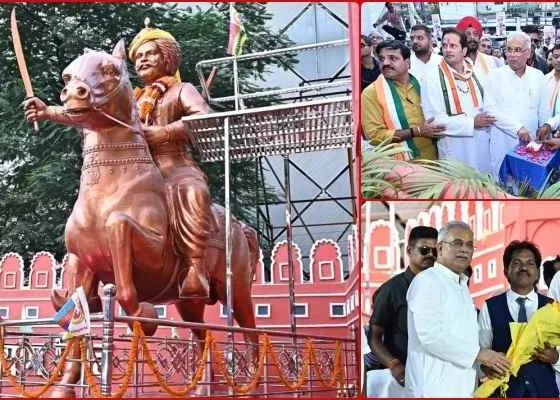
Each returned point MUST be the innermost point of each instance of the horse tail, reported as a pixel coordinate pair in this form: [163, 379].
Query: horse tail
[253, 243]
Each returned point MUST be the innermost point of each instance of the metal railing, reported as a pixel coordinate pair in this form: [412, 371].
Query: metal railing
[235, 60]
[282, 364]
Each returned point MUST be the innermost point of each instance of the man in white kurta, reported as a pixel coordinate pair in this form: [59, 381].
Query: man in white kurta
[423, 58]
[459, 106]
[442, 327]
[513, 97]
[549, 105]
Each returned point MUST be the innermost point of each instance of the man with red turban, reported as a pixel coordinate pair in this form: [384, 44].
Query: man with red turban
[483, 63]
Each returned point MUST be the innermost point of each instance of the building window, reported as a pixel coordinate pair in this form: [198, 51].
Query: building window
[383, 257]
[262, 310]
[161, 311]
[492, 268]
[326, 270]
[477, 273]
[9, 280]
[31, 313]
[283, 272]
[42, 279]
[337, 310]
[4, 312]
[487, 221]
[301, 310]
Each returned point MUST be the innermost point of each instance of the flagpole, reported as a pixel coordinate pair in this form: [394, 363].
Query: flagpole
[235, 70]
[235, 83]
[229, 272]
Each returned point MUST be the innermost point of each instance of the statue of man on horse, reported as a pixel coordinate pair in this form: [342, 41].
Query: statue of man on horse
[143, 218]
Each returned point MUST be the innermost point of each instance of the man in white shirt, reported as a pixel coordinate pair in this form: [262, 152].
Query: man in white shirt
[423, 59]
[483, 63]
[512, 96]
[549, 109]
[518, 304]
[485, 45]
[442, 327]
[453, 96]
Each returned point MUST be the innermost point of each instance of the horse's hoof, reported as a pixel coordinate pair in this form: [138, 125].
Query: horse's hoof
[147, 310]
[63, 392]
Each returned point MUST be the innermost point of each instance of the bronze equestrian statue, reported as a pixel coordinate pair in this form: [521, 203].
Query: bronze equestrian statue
[143, 218]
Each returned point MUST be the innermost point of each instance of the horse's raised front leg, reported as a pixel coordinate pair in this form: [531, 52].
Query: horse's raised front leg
[124, 236]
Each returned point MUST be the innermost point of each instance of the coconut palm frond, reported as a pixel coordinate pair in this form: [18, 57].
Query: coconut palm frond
[551, 192]
[377, 163]
[436, 177]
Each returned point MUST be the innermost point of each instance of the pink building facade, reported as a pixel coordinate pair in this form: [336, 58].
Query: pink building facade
[326, 304]
[494, 223]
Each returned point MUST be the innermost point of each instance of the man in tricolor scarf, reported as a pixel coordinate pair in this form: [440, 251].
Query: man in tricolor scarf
[483, 63]
[549, 112]
[513, 97]
[454, 96]
[518, 304]
[391, 107]
[162, 102]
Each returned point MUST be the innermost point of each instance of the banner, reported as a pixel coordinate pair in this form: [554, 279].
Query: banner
[501, 23]
[73, 316]
[436, 26]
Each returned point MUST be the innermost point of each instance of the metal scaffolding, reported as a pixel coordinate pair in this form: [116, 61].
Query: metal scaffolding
[314, 115]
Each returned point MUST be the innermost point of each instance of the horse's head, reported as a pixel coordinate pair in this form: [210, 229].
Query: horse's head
[96, 84]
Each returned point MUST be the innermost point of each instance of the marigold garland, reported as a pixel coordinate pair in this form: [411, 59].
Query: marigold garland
[241, 389]
[303, 371]
[338, 373]
[196, 377]
[151, 94]
[19, 388]
[123, 387]
[337, 378]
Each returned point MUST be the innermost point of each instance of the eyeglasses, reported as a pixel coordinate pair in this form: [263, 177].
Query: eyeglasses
[459, 244]
[424, 250]
[515, 50]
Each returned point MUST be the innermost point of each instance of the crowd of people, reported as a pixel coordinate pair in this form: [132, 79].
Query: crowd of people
[427, 338]
[464, 104]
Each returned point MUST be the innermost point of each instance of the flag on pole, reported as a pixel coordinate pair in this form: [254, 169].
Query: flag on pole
[237, 34]
[73, 316]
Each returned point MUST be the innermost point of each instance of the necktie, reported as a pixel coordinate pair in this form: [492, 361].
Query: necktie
[522, 315]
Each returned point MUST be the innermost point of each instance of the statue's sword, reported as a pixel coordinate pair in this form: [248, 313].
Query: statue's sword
[18, 48]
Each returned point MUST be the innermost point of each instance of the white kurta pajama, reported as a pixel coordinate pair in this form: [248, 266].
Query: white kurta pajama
[442, 335]
[462, 142]
[420, 69]
[484, 64]
[514, 101]
[549, 104]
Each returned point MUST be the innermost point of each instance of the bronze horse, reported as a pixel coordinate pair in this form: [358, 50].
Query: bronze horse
[119, 230]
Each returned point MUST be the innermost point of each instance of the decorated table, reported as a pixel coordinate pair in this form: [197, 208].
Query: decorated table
[531, 163]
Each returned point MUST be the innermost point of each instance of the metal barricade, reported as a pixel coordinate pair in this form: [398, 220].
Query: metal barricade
[283, 364]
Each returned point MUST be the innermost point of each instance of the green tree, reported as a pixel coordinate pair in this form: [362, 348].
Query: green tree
[39, 174]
